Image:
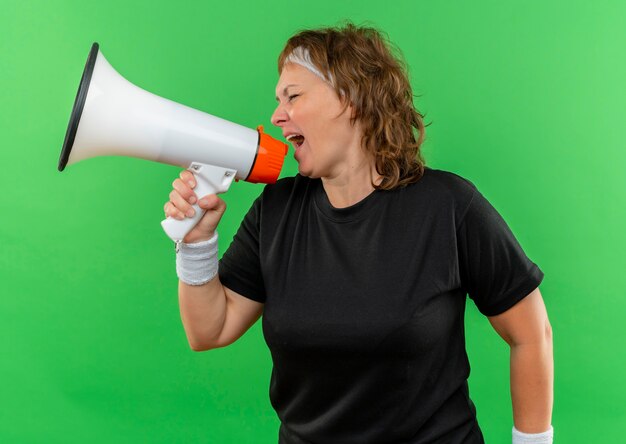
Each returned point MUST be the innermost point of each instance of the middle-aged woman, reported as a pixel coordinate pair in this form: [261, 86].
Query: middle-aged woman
[361, 265]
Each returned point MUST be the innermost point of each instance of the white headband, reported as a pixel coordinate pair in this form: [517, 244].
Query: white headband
[301, 56]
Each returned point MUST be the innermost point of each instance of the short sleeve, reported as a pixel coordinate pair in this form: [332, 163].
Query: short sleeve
[494, 270]
[240, 266]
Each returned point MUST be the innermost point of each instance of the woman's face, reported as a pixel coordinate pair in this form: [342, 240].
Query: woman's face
[310, 115]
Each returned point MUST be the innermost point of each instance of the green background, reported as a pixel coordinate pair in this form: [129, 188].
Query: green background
[526, 99]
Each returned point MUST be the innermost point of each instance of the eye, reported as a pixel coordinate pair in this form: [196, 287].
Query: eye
[293, 96]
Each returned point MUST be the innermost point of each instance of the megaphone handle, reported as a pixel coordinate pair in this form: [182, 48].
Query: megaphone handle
[209, 180]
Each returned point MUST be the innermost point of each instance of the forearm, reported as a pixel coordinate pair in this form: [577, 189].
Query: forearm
[532, 375]
[201, 296]
[203, 312]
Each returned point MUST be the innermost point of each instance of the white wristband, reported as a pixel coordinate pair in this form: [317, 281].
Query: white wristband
[196, 264]
[533, 438]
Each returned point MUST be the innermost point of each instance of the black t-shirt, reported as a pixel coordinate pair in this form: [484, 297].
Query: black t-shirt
[364, 305]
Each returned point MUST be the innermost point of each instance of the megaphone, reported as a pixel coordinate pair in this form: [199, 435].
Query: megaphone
[111, 116]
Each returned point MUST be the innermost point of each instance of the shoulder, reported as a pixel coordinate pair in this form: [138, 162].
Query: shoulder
[443, 185]
[448, 182]
[439, 192]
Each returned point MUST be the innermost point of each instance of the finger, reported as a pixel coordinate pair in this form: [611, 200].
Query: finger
[172, 211]
[187, 177]
[185, 191]
[182, 208]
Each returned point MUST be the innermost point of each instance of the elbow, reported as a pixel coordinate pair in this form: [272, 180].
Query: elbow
[541, 337]
[538, 336]
[547, 331]
[200, 345]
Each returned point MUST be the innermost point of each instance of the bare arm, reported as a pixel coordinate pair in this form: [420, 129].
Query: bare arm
[215, 316]
[526, 328]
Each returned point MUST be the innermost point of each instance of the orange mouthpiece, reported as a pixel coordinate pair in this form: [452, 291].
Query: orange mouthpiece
[269, 159]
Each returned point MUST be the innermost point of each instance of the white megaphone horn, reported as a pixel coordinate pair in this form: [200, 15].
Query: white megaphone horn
[113, 117]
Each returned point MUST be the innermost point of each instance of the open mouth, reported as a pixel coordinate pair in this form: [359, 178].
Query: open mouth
[296, 139]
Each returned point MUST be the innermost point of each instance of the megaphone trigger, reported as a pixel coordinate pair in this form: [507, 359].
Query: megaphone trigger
[210, 179]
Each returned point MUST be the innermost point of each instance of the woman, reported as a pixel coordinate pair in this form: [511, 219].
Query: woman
[361, 265]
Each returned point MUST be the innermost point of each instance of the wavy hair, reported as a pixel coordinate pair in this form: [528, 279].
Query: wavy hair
[369, 73]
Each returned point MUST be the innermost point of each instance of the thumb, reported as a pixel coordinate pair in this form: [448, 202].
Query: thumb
[212, 202]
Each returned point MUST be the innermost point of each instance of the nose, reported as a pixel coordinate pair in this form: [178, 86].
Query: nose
[280, 117]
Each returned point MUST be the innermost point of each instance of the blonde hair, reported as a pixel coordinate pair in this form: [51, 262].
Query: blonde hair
[367, 74]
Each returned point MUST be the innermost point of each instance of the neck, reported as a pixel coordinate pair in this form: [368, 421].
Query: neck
[351, 185]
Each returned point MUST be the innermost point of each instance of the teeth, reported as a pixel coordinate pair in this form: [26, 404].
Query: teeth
[296, 139]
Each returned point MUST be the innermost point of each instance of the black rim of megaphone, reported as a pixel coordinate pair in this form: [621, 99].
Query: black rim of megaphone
[79, 104]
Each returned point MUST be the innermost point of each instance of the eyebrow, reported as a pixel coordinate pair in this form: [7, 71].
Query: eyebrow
[285, 90]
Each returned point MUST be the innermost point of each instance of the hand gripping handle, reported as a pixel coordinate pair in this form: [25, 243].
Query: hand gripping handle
[209, 180]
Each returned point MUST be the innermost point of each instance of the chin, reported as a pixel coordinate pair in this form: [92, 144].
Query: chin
[304, 171]
[308, 173]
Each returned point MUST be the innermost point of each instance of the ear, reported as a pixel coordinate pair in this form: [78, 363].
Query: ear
[348, 105]
[351, 109]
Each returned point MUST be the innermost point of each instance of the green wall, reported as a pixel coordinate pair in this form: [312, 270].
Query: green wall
[526, 99]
